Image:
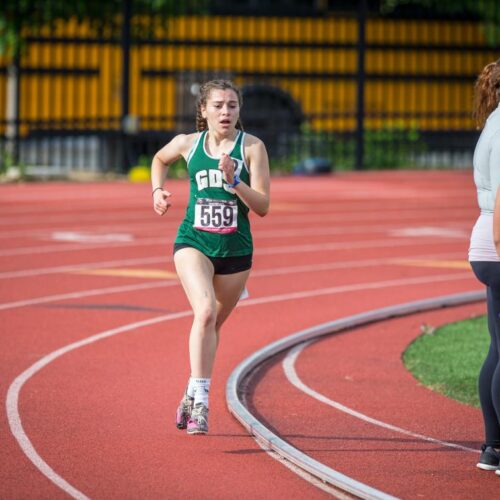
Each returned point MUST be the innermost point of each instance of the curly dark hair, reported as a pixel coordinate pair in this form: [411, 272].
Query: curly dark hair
[486, 93]
[205, 90]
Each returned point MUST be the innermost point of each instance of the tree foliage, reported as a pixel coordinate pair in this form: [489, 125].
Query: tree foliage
[19, 16]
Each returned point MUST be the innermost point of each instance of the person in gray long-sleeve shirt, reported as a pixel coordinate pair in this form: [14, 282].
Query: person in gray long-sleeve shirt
[484, 251]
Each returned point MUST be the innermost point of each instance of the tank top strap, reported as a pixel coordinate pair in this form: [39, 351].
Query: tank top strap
[197, 143]
[238, 145]
[239, 138]
[237, 151]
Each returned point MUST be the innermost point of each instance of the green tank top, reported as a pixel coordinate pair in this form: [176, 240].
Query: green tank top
[216, 221]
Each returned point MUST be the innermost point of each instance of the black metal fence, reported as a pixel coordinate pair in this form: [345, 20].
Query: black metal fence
[356, 88]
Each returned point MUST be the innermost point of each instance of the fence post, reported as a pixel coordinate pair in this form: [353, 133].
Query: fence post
[361, 76]
[13, 89]
[125, 87]
[13, 94]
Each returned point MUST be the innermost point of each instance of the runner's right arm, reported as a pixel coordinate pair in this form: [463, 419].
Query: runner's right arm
[177, 147]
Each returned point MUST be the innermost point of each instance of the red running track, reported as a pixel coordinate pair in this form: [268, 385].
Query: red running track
[94, 338]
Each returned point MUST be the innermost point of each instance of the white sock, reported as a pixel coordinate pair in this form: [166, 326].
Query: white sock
[190, 387]
[201, 390]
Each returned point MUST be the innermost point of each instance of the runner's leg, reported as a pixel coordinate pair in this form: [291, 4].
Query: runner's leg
[228, 288]
[196, 273]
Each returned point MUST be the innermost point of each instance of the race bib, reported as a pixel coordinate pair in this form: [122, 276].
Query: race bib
[216, 216]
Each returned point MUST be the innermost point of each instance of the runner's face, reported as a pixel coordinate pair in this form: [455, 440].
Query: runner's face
[221, 111]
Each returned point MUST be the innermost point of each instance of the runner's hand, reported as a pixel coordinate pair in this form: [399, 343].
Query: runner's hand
[160, 201]
[226, 165]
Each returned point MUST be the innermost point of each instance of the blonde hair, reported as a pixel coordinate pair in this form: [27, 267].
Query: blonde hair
[205, 90]
[486, 93]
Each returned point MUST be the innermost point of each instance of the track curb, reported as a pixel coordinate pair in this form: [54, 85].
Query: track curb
[281, 447]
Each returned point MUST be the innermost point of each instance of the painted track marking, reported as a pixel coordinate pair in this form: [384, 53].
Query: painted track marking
[78, 247]
[131, 273]
[361, 205]
[265, 232]
[12, 400]
[289, 249]
[86, 293]
[274, 250]
[350, 214]
[235, 393]
[86, 265]
[143, 286]
[292, 376]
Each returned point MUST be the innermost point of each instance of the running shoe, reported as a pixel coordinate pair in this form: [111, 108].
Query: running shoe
[184, 412]
[198, 421]
[489, 459]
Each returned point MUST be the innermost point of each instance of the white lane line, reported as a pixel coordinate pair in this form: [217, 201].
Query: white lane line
[93, 242]
[358, 286]
[347, 264]
[12, 401]
[444, 230]
[287, 249]
[44, 234]
[83, 247]
[292, 376]
[266, 230]
[235, 387]
[86, 265]
[53, 218]
[280, 222]
[87, 196]
[91, 236]
[350, 213]
[86, 293]
[147, 285]
[349, 245]
[424, 231]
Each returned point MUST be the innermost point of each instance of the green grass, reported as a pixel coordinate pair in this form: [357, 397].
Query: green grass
[448, 359]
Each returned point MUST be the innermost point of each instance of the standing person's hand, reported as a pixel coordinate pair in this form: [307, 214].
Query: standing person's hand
[160, 201]
[227, 165]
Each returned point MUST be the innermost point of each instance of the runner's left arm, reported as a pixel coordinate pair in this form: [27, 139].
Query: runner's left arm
[256, 196]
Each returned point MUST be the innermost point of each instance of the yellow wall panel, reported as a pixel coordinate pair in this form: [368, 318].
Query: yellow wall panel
[77, 97]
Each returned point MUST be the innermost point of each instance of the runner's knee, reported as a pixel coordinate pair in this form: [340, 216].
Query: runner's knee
[205, 316]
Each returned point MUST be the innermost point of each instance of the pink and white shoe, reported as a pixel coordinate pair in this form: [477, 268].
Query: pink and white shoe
[184, 412]
[198, 421]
